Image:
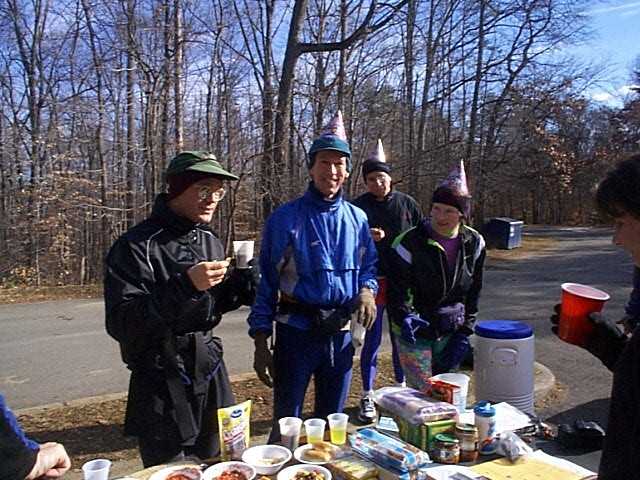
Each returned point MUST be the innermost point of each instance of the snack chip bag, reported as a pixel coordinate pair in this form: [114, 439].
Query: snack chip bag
[234, 425]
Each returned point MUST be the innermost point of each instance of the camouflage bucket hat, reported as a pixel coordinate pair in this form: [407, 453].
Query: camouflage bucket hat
[204, 162]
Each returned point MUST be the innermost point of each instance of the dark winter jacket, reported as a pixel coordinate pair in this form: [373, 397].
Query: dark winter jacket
[420, 281]
[395, 214]
[17, 453]
[621, 450]
[163, 323]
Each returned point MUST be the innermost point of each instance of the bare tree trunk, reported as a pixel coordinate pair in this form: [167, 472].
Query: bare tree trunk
[178, 47]
[130, 203]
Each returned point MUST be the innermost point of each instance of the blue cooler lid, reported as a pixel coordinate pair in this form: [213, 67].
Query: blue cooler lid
[503, 329]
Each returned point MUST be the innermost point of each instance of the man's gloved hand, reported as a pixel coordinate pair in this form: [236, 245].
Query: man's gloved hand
[629, 323]
[606, 341]
[366, 308]
[453, 353]
[555, 318]
[263, 360]
[410, 324]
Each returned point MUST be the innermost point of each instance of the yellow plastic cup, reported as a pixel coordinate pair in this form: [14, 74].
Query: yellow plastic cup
[338, 428]
[314, 428]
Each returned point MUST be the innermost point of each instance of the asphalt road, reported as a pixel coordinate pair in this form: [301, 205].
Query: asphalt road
[58, 351]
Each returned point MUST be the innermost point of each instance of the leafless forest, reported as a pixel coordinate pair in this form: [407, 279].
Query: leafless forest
[96, 96]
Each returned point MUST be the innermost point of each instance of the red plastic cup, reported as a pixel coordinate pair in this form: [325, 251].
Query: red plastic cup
[577, 302]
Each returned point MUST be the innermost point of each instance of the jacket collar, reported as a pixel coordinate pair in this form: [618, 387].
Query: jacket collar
[313, 196]
[464, 233]
[170, 219]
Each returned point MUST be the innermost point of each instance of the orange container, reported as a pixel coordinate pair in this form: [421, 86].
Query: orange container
[577, 302]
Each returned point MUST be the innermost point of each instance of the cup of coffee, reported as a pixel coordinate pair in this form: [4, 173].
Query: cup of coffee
[243, 251]
[290, 432]
[577, 302]
[96, 469]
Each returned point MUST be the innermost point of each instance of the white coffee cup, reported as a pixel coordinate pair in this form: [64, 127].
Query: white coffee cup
[96, 469]
[243, 251]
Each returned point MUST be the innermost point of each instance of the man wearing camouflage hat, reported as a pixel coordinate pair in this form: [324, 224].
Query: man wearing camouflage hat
[318, 265]
[167, 283]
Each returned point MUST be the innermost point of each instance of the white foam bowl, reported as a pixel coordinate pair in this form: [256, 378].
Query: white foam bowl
[216, 470]
[255, 457]
[289, 473]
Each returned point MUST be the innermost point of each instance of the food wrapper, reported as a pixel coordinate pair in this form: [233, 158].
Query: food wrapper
[386, 451]
[413, 406]
[234, 425]
[353, 468]
[445, 391]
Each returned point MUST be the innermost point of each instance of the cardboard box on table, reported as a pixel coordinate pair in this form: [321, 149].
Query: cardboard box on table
[421, 435]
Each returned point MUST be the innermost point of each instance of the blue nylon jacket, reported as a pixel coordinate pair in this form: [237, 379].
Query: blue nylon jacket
[319, 252]
[17, 452]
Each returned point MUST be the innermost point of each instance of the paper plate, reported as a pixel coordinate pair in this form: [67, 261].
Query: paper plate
[164, 473]
[298, 454]
[289, 473]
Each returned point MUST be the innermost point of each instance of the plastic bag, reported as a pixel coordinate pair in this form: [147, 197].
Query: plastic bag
[512, 446]
[234, 425]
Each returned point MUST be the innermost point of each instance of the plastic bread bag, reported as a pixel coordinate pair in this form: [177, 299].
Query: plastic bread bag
[386, 451]
[412, 405]
[512, 446]
[234, 426]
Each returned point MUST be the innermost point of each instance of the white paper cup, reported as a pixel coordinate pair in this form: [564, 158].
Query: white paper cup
[290, 432]
[96, 469]
[314, 428]
[243, 251]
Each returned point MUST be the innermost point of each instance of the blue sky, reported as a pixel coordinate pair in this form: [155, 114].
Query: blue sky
[616, 24]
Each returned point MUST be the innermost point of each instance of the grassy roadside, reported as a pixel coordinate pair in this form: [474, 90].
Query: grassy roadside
[531, 245]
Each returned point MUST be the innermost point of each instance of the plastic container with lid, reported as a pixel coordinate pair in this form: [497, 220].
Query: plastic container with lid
[485, 420]
[503, 363]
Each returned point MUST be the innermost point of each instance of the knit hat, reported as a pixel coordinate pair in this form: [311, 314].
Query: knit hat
[333, 137]
[454, 191]
[376, 161]
[187, 168]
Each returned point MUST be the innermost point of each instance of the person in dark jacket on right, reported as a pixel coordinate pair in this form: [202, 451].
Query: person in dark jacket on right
[618, 197]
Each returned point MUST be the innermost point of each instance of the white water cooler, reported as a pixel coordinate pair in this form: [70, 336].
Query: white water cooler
[503, 363]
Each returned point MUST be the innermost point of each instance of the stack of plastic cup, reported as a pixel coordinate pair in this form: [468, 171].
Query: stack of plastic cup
[290, 432]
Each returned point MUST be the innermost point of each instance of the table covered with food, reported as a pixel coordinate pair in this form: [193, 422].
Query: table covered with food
[417, 437]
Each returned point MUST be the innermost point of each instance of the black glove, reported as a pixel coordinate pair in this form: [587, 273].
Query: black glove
[607, 341]
[263, 360]
[555, 318]
[453, 353]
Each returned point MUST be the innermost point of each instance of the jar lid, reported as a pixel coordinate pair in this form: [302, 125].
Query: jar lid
[466, 427]
[446, 438]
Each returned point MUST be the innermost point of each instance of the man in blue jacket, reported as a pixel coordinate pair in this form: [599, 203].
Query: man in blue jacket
[22, 458]
[318, 265]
